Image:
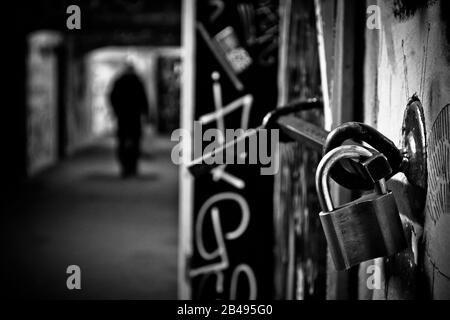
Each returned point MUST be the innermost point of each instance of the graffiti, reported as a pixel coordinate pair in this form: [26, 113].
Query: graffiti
[218, 115]
[231, 255]
[438, 201]
[220, 253]
[251, 281]
[219, 6]
[260, 27]
[236, 55]
[42, 101]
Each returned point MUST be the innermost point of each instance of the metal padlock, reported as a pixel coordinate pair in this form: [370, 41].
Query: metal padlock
[362, 230]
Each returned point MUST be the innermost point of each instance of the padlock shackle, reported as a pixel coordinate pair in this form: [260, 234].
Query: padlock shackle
[363, 133]
[328, 163]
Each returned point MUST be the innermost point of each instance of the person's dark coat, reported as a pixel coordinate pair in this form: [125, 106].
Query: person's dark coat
[129, 102]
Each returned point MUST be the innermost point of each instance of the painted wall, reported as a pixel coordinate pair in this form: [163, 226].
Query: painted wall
[78, 114]
[42, 106]
[411, 54]
[168, 85]
[220, 260]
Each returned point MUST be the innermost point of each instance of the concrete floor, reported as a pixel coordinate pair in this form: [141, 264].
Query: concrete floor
[122, 234]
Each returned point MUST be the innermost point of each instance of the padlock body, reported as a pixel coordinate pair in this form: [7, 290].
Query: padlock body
[365, 229]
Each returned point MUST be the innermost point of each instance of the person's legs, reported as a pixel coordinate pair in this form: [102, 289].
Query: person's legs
[134, 154]
[125, 154]
[129, 149]
[122, 153]
[128, 169]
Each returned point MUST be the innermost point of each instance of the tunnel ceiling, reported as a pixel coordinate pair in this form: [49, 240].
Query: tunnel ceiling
[110, 22]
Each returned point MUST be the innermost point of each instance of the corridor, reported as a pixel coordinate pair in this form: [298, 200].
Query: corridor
[121, 233]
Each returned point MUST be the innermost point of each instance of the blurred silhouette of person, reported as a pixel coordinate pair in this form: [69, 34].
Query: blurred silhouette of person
[129, 103]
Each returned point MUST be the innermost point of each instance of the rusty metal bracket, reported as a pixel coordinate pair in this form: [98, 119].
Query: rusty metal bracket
[410, 158]
[295, 129]
[414, 144]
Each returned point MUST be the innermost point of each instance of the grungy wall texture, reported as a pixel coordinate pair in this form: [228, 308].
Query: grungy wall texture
[42, 100]
[411, 54]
